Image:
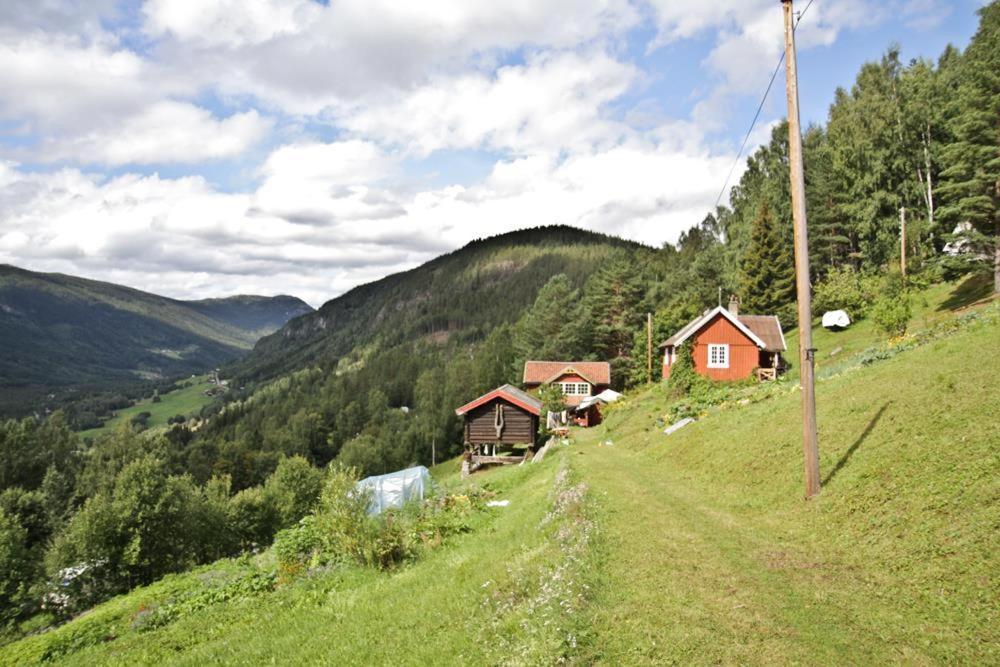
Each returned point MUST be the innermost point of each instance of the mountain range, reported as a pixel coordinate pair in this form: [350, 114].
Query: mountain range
[59, 330]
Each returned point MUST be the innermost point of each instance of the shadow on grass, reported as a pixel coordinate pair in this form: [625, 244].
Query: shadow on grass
[857, 443]
[974, 288]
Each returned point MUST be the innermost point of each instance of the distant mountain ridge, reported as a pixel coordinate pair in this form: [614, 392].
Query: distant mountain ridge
[60, 330]
[461, 295]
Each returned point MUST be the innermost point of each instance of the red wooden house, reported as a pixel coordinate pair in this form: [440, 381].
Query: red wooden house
[730, 346]
[579, 380]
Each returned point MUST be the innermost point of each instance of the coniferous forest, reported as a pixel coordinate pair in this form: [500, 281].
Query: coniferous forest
[331, 386]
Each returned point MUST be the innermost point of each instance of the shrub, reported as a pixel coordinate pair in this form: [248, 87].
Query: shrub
[682, 374]
[891, 311]
[141, 420]
[16, 571]
[340, 530]
[253, 518]
[846, 289]
[294, 489]
[133, 534]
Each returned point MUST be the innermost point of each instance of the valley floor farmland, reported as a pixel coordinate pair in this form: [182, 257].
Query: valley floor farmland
[187, 401]
[704, 550]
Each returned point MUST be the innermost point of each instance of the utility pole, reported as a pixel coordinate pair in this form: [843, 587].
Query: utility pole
[649, 347]
[902, 240]
[810, 446]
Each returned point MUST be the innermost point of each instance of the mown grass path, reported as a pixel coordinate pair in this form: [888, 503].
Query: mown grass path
[688, 582]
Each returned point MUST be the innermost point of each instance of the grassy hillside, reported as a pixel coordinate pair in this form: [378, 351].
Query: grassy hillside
[691, 548]
[187, 401]
[62, 330]
[351, 615]
[463, 295]
[896, 560]
[837, 350]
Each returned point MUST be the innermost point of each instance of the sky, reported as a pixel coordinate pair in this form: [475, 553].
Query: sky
[200, 149]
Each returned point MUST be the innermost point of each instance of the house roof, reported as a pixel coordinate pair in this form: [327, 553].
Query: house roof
[540, 372]
[768, 329]
[510, 394]
[763, 330]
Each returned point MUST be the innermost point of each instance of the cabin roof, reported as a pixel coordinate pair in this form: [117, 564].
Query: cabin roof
[763, 330]
[540, 372]
[768, 329]
[510, 394]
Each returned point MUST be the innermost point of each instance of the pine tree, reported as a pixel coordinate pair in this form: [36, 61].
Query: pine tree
[970, 184]
[767, 279]
[614, 295]
[552, 328]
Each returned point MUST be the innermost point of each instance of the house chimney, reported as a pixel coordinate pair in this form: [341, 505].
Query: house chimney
[734, 304]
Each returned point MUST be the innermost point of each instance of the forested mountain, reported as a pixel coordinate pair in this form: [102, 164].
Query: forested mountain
[255, 316]
[459, 297]
[60, 330]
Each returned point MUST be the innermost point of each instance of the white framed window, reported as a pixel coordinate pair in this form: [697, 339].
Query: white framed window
[582, 389]
[568, 388]
[718, 356]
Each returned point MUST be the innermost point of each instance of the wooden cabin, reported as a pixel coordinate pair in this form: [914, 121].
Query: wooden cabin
[579, 381]
[730, 346]
[501, 426]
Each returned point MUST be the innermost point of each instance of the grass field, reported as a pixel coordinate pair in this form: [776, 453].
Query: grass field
[837, 350]
[187, 401]
[692, 548]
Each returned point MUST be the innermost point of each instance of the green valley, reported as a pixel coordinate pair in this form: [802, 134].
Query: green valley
[62, 333]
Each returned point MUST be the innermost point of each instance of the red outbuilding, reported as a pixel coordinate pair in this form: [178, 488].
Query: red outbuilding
[730, 346]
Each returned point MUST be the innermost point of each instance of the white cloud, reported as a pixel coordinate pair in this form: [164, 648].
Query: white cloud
[553, 102]
[165, 132]
[60, 82]
[97, 104]
[229, 23]
[313, 57]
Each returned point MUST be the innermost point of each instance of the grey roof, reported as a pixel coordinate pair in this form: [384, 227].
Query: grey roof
[768, 329]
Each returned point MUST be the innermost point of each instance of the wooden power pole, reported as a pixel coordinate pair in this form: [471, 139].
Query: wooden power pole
[649, 347]
[902, 240]
[810, 446]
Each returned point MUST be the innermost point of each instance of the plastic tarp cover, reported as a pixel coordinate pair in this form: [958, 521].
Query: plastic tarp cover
[396, 488]
[836, 319]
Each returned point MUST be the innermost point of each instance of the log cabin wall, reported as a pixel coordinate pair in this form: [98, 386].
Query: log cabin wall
[520, 426]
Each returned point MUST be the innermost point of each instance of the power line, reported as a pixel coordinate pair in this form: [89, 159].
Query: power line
[756, 115]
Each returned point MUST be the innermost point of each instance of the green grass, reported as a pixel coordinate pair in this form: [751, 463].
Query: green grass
[187, 401]
[837, 350]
